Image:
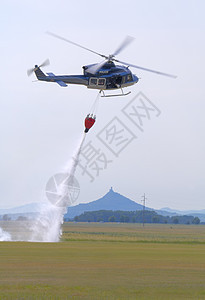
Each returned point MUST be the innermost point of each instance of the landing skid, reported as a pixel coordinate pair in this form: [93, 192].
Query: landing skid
[115, 95]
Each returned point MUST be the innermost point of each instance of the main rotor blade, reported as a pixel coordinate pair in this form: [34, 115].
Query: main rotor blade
[145, 69]
[68, 41]
[124, 44]
[94, 69]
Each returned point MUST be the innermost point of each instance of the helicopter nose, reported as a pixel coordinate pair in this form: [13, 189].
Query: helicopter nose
[135, 78]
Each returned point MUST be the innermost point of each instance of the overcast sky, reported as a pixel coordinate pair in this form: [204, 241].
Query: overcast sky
[42, 123]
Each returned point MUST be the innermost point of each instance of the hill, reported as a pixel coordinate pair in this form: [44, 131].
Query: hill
[110, 201]
[27, 208]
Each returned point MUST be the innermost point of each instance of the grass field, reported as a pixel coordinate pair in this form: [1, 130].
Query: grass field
[107, 261]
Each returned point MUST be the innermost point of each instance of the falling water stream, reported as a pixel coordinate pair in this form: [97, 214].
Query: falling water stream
[47, 227]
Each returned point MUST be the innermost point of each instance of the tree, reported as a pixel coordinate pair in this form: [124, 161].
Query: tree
[112, 219]
[6, 218]
[122, 219]
[22, 218]
[127, 219]
[100, 220]
[155, 219]
[133, 219]
[175, 220]
[196, 221]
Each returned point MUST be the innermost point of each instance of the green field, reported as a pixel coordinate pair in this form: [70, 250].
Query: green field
[107, 261]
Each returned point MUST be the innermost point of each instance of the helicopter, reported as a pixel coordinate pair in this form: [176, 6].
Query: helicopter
[102, 76]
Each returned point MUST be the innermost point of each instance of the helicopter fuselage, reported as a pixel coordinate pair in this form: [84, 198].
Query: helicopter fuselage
[109, 77]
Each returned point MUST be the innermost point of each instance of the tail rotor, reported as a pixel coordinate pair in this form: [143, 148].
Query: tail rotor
[44, 64]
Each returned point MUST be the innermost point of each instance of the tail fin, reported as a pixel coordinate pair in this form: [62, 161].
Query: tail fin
[39, 74]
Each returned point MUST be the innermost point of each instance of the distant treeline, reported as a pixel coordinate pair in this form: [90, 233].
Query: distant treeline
[133, 217]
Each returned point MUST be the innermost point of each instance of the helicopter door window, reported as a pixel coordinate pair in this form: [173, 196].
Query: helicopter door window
[101, 81]
[93, 81]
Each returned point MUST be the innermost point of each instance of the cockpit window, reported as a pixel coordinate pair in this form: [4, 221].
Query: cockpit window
[129, 77]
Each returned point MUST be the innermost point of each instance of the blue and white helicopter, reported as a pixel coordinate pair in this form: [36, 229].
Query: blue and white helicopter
[102, 76]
